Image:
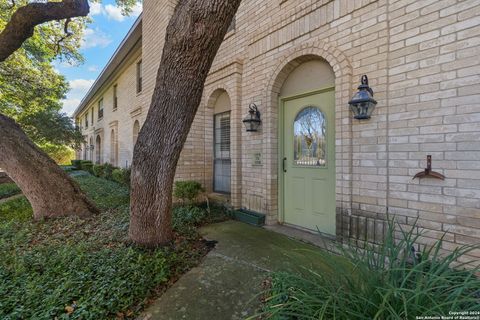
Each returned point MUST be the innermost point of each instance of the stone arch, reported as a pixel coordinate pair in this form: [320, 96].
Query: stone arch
[297, 55]
[290, 60]
[98, 148]
[213, 94]
[218, 163]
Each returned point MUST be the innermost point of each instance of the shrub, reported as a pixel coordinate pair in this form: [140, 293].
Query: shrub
[187, 191]
[77, 164]
[8, 190]
[61, 154]
[108, 171]
[122, 176]
[98, 170]
[385, 282]
[87, 165]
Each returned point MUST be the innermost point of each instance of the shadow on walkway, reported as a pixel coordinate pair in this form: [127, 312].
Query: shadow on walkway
[227, 284]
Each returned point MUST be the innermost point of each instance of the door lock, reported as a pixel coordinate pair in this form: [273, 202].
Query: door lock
[284, 167]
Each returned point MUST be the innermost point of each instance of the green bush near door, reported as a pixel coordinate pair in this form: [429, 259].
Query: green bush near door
[187, 191]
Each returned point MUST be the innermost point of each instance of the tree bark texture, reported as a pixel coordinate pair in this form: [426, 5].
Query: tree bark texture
[23, 21]
[49, 189]
[193, 37]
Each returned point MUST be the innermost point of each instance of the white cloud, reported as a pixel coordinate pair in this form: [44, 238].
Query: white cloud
[96, 8]
[81, 84]
[78, 90]
[95, 38]
[69, 105]
[136, 10]
[114, 13]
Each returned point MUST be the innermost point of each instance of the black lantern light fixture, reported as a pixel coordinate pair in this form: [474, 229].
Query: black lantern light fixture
[362, 103]
[252, 120]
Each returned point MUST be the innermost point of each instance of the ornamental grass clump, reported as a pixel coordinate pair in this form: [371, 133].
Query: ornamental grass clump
[390, 281]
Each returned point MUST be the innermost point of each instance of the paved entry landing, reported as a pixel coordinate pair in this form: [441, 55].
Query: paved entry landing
[227, 284]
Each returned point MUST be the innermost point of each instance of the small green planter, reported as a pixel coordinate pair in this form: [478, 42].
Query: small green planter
[250, 217]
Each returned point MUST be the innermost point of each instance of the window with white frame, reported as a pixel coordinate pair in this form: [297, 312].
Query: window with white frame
[222, 160]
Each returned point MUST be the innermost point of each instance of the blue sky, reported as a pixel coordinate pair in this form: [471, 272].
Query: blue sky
[102, 38]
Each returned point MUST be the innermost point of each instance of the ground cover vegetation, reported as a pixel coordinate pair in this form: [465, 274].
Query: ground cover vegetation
[74, 268]
[106, 171]
[389, 281]
[8, 190]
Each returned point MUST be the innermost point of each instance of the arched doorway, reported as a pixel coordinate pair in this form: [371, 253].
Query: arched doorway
[98, 148]
[307, 145]
[113, 148]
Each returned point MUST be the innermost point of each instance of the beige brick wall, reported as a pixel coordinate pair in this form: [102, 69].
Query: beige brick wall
[422, 60]
[120, 120]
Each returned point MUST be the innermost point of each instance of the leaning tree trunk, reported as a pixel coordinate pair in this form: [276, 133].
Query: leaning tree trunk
[49, 189]
[193, 37]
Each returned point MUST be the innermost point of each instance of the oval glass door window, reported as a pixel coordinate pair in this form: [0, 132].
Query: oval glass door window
[310, 141]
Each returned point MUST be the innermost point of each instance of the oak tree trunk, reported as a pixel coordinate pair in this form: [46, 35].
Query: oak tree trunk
[194, 34]
[49, 189]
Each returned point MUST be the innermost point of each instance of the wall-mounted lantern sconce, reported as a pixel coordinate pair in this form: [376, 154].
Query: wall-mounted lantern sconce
[252, 120]
[362, 103]
[90, 147]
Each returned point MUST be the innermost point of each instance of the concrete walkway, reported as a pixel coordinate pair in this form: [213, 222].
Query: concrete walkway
[227, 284]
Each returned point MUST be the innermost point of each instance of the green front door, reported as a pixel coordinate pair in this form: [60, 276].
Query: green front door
[308, 166]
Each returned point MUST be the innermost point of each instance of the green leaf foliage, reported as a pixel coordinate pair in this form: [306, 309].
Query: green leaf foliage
[187, 191]
[122, 176]
[8, 190]
[73, 268]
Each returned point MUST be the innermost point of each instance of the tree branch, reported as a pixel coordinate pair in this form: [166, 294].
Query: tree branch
[67, 34]
[23, 21]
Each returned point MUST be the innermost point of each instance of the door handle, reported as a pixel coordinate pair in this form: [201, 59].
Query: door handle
[284, 168]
